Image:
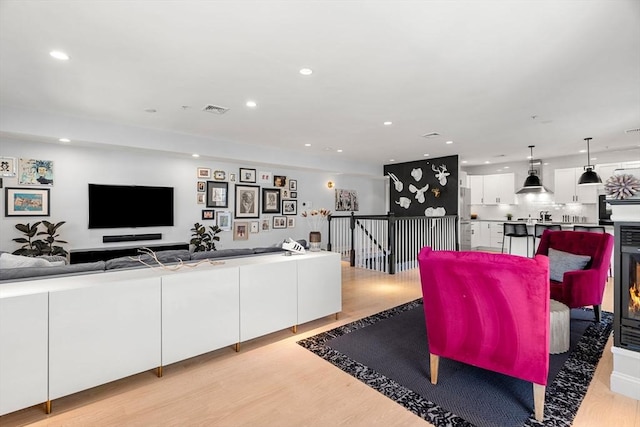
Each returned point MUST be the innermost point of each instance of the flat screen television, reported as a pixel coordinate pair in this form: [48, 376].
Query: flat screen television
[124, 206]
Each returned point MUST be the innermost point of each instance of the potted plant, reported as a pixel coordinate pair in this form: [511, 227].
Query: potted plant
[203, 239]
[509, 217]
[37, 247]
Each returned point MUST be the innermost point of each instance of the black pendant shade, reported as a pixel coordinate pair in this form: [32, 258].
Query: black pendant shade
[589, 176]
[532, 184]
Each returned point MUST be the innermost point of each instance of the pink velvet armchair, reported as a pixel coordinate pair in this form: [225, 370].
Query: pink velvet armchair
[490, 311]
[579, 288]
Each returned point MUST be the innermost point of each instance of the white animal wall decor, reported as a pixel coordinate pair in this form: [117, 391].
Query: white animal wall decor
[441, 174]
[419, 192]
[398, 184]
[417, 174]
[440, 211]
[404, 202]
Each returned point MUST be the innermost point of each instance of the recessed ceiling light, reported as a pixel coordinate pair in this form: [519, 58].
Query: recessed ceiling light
[64, 140]
[195, 155]
[529, 157]
[582, 151]
[426, 154]
[150, 110]
[487, 162]
[251, 104]
[594, 158]
[339, 150]
[59, 55]
[464, 161]
[307, 145]
[546, 164]
[387, 123]
[449, 142]
[392, 160]
[506, 167]
[306, 71]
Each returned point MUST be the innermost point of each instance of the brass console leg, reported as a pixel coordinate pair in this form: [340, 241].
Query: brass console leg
[47, 407]
[159, 371]
[237, 347]
[294, 329]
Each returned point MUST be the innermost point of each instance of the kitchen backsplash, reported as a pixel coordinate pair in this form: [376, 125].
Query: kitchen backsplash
[533, 204]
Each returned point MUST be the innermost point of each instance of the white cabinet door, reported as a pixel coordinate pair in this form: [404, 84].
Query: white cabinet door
[475, 234]
[484, 234]
[102, 333]
[567, 189]
[268, 298]
[319, 286]
[23, 351]
[497, 234]
[200, 312]
[499, 189]
[476, 185]
[606, 170]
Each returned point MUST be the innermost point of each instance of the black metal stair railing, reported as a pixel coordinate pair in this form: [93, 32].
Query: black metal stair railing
[388, 243]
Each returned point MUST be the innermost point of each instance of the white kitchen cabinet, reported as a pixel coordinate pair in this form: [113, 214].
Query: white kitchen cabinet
[567, 189]
[492, 189]
[496, 234]
[476, 183]
[200, 312]
[23, 351]
[475, 234]
[101, 333]
[606, 170]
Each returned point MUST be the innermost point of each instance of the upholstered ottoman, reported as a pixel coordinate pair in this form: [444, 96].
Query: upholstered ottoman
[559, 334]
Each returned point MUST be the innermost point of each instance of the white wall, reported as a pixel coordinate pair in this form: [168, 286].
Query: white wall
[75, 167]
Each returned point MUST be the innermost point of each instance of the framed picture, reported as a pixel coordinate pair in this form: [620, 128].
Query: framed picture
[232, 177]
[240, 230]
[279, 181]
[202, 186]
[247, 200]
[223, 220]
[35, 172]
[247, 175]
[217, 194]
[293, 184]
[219, 175]
[266, 224]
[26, 202]
[293, 194]
[1, 182]
[279, 222]
[255, 227]
[270, 200]
[289, 207]
[208, 214]
[346, 200]
[285, 193]
[204, 173]
[7, 166]
[291, 222]
[264, 177]
[201, 198]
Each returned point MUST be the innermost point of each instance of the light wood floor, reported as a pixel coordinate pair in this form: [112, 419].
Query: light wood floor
[273, 381]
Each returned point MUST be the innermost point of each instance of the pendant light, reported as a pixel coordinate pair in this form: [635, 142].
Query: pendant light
[589, 177]
[532, 184]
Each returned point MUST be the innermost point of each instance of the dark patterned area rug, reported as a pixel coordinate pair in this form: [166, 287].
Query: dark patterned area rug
[388, 351]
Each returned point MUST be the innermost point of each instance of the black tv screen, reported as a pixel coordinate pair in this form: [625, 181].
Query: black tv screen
[122, 206]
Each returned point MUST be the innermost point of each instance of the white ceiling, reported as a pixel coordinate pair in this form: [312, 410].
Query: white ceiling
[473, 71]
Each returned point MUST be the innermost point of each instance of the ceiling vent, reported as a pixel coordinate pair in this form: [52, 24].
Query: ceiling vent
[632, 130]
[215, 109]
[430, 135]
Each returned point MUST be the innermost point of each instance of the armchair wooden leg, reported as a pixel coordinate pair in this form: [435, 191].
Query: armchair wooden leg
[433, 361]
[538, 401]
[597, 310]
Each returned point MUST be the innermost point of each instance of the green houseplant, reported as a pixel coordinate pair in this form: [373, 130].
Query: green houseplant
[31, 246]
[203, 239]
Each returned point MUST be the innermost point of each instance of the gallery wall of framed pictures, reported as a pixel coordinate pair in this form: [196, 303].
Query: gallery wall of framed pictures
[252, 201]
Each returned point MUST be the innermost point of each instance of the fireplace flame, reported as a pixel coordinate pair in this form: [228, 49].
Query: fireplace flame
[634, 301]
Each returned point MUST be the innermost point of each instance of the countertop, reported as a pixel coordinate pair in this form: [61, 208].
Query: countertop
[563, 224]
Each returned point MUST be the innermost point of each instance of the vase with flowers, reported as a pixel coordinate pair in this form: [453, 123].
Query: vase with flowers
[315, 218]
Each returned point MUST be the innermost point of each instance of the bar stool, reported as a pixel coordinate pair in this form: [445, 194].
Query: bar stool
[538, 229]
[516, 229]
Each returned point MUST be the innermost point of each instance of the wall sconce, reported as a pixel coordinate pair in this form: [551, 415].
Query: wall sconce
[330, 184]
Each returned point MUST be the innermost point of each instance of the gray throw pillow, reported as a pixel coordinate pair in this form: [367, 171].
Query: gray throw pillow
[560, 262]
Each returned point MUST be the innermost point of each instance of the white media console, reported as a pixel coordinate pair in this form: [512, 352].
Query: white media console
[61, 335]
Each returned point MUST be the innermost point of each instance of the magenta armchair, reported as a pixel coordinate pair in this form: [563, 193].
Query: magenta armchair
[488, 310]
[580, 288]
